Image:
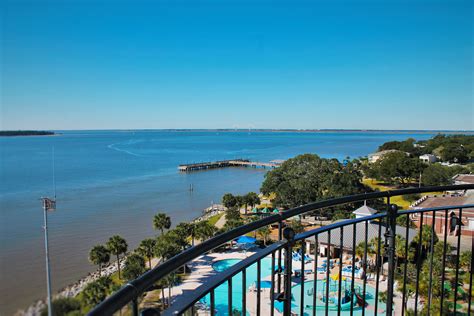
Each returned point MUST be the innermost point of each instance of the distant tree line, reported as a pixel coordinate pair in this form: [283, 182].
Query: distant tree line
[403, 167]
[25, 133]
[450, 148]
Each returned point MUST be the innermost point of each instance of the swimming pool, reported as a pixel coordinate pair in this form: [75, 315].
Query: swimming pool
[333, 299]
[221, 291]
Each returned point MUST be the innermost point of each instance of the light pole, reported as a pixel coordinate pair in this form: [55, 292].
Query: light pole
[48, 205]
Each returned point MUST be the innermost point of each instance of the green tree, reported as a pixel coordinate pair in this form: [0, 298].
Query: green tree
[232, 223]
[205, 230]
[161, 221]
[465, 260]
[383, 296]
[425, 238]
[233, 219]
[341, 214]
[264, 232]
[134, 267]
[172, 279]
[95, 292]
[436, 174]
[63, 306]
[229, 200]
[374, 247]
[309, 178]
[117, 246]
[406, 146]
[146, 249]
[360, 249]
[169, 244]
[188, 230]
[398, 168]
[252, 199]
[240, 201]
[99, 255]
[453, 152]
[296, 225]
[162, 284]
[402, 221]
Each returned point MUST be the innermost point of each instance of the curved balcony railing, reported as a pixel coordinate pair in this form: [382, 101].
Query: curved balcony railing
[308, 289]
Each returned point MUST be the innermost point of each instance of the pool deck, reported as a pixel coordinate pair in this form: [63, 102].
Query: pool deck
[202, 269]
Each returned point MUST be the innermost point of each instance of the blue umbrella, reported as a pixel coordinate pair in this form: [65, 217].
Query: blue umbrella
[245, 240]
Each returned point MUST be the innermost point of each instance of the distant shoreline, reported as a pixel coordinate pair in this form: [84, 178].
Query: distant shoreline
[26, 133]
[256, 130]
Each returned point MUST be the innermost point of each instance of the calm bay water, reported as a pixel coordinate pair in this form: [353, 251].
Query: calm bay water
[112, 182]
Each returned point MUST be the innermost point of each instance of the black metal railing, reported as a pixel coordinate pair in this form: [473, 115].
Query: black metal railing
[309, 289]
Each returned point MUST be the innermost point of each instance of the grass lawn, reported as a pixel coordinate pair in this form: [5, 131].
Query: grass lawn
[399, 200]
[213, 219]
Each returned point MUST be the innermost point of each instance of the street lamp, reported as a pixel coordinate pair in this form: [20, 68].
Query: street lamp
[48, 205]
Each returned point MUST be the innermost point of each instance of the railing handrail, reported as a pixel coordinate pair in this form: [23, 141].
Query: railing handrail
[183, 303]
[220, 278]
[346, 222]
[134, 288]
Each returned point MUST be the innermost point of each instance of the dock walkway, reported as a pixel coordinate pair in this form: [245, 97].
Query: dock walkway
[227, 163]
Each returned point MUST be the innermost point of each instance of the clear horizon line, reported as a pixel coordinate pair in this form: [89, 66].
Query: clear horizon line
[248, 129]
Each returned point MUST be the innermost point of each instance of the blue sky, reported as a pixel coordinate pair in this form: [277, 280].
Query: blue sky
[248, 64]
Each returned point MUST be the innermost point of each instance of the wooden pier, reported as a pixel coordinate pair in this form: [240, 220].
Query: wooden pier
[227, 163]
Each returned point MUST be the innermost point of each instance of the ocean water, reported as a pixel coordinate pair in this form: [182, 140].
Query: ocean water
[112, 182]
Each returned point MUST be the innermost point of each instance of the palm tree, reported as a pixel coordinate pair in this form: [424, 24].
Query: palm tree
[465, 259]
[252, 199]
[167, 245]
[187, 230]
[229, 200]
[146, 249]
[265, 233]
[399, 249]
[134, 267]
[162, 284]
[297, 226]
[161, 221]
[426, 238]
[205, 230]
[99, 255]
[172, 279]
[97, 291]
[360, 249]
[117, 246]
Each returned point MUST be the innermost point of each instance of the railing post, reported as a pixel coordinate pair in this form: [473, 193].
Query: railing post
[135, 307]
[289, 235]
[392, 220]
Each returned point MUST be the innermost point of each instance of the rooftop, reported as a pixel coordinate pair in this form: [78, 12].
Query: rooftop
[443, 200]
[464, 178]
[365, 210]
[372, 232]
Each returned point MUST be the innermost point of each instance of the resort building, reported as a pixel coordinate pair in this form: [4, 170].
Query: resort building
[463, 179]
[467, 216]
[428, 158]
[333, 242]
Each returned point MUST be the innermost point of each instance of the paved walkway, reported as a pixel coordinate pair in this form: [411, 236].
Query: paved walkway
[221, 222]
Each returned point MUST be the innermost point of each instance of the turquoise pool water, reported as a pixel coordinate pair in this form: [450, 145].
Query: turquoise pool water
[332, 306]
[221, 292]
